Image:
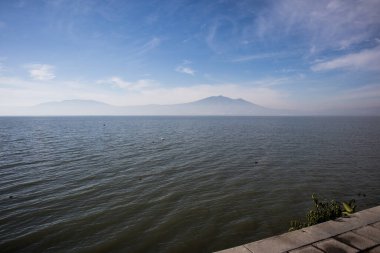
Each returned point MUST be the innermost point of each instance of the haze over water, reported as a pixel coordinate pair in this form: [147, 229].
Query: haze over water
[174, 184]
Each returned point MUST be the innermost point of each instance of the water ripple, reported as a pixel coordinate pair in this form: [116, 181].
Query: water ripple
[174, 184]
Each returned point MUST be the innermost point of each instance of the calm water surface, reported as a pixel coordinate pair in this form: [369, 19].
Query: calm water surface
[174, 184]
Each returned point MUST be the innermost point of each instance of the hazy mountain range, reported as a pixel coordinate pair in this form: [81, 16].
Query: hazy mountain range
[216, 105]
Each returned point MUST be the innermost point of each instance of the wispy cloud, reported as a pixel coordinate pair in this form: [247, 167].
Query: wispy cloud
[134, 86]
[325, 24]
[270, 82]
[41, 72]
[223, 34]
[253, 57]
[314, 26]
[185, 68]
[365, 60]
[150, 45]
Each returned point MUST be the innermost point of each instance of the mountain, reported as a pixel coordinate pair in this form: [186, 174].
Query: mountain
[221, 100]
[73, 107]
[220, 105]
[216, 105]
[73, 103]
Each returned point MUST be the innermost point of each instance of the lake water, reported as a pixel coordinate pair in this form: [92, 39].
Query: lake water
[174, 184]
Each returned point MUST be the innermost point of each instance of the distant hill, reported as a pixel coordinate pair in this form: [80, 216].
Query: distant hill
[221, 100]
[220, 105]
[73, 107]
[215, 105]
[73, 103]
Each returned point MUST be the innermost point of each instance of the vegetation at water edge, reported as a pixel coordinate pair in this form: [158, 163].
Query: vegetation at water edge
[324, 210]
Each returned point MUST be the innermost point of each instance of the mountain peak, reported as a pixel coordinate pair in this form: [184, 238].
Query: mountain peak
[222, 100]
[219, 97]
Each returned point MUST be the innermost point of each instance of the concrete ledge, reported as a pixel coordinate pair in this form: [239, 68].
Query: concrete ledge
[332, 245]
[360, 232]
[356, 240]
[239, 249]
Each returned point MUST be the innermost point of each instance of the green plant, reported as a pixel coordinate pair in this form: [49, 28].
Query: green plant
[323, 211]
[349, 207]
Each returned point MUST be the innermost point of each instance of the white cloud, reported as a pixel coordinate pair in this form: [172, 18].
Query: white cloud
[19, 92]
[365, 60]
[134, 86]
[41, 72]
[185, 70]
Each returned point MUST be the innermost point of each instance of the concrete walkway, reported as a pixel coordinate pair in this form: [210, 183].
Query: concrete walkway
[360, 232]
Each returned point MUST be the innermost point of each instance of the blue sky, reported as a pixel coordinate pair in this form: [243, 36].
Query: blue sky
[313, 55]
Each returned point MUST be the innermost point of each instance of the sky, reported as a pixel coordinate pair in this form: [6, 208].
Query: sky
[285, 54]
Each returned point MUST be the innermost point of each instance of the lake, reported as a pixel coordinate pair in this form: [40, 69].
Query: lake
[175, 184]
